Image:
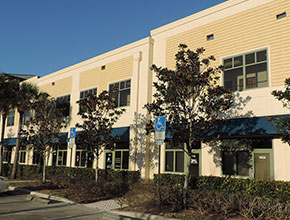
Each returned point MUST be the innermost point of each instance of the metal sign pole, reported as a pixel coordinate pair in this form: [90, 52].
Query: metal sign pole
[160, 128]
[158, 185]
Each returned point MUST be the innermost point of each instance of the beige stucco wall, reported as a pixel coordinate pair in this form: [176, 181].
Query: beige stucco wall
[58, 87]
[211, 160]
[281, 153]
[113, 72]
[248, 30]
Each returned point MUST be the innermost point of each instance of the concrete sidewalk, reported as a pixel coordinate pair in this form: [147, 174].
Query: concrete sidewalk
[107, 208]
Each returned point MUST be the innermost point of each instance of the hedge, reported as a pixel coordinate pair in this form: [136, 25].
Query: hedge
[33, 172]
[261, 188]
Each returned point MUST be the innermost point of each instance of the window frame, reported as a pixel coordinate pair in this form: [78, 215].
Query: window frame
[251, 162]
[22, 154]
[120, 90]
[57, 152]
[87, 91]
[10, 122]
[64, 102]
[7, 153]
[174, 151]
[83, 151]
[244, 66]
[26, 116]
[186, 159]
[122, 150]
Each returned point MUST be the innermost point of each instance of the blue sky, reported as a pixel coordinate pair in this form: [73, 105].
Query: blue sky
[42, 36]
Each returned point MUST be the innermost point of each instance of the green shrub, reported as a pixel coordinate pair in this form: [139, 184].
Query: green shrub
[129, 177]
[23, 171]
[92, 191]
[169, 179]
[261, 188]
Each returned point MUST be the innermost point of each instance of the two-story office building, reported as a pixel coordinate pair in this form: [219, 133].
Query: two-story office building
[249, 37]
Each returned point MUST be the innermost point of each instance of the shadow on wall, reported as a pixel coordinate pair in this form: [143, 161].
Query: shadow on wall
[138, 144]
[215, 146]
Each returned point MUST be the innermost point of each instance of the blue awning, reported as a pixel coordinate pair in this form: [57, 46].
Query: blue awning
[122, 132]
[12, 141]
[263, 125]
[9, 141]
[62, 137]
[251, 126]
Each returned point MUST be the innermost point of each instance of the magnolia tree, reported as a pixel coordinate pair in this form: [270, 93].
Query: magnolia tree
[42, 130]
[283, 124]
[191, 99]
[98, 114]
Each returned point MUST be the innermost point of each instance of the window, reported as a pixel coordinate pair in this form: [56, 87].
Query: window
[26, 117]
[7, 152]
[84, 93]
[120, 93]
[22, 154]
[236, 163]
[63, 104]
[118, 158]
[174, 158]
[246, 71]
[10, 118]
[60, 155]
[84, 158]
[282, 15]
[36, 157]
[93, 92]
[210, 37]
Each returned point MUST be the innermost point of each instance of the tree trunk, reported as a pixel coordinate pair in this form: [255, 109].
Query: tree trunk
[186, 182]
[44, 168]
[2, 143]
[16, 155]
[97, 169]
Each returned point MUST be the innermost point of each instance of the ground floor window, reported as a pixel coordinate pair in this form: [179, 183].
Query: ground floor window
[236, 163]
[239, 156]
[59, 156]
[174, 158]
[117, 158]
[7, 152]
[22, 154]
[36, 157]
[84, 158]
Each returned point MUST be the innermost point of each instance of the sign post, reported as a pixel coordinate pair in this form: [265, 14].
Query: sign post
[160, 128]
[72, 137]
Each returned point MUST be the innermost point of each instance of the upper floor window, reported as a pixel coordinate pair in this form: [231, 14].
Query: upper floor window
[245, 71]
[26, 117]
[63, 104]
[120, 93]
[84, 93]
[10, 118]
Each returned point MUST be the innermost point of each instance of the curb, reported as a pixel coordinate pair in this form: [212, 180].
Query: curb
[42, 195]
[140, 215]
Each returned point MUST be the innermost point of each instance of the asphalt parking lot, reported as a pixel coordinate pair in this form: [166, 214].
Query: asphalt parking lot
[17, 205]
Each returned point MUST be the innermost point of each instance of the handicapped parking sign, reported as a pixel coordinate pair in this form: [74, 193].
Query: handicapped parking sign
[160, 123]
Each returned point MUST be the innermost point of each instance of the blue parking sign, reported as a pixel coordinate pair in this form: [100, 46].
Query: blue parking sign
[72, 132]
[160, 123]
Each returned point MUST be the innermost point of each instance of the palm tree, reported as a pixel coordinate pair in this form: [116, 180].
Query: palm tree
[25, 96]
[8, 87]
